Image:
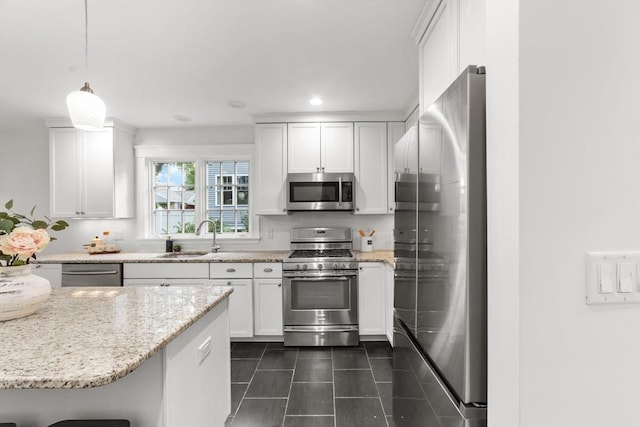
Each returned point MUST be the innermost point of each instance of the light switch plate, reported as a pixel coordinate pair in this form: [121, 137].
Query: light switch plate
[611, 277]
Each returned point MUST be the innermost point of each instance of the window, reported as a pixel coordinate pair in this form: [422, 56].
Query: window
[228, 195]
[174, 197]
[180, 186]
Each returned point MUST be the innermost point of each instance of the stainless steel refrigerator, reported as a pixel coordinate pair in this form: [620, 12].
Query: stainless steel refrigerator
[440, 298]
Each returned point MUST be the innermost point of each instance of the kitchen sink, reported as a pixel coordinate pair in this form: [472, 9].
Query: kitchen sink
[182, 255]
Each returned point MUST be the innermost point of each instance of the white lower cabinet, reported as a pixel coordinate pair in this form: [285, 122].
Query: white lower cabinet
[149, 274]
[240, 306]
[389, 289]
[267, 299]
[372, 298]
[267, 315]
[239, 276]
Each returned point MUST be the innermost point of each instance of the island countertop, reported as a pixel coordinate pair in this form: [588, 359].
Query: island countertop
[88, 337]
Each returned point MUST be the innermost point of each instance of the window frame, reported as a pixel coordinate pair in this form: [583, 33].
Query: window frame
[146, 155]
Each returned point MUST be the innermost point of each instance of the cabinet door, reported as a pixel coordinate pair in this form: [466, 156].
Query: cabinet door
[271, 147]
[165, 282]
[303, 152]
[268, 306]
[64, 172]
[439, 45]
[395, 132]
[336, 147]
[240, 307]
[472, 33]
[97, 174]
[389, 286]
[371, 168]
[371, 299]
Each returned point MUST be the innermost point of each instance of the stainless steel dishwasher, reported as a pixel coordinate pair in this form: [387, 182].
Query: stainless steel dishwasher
[91, 275]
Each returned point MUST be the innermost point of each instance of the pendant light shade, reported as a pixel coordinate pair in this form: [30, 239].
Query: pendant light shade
[87, 111]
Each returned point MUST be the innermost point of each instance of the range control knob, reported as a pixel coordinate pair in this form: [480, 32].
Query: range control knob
[304, 266]
[297, 266]
[336, 265]
[320, 267]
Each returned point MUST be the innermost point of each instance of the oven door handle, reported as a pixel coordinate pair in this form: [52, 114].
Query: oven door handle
[319, 279]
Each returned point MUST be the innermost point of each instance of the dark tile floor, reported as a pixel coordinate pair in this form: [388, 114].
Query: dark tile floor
[273, 385]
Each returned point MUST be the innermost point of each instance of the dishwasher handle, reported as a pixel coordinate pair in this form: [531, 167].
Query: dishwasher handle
[89, 273]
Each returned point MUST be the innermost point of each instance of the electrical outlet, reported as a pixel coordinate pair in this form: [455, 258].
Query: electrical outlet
[117, 235]
[204, 350]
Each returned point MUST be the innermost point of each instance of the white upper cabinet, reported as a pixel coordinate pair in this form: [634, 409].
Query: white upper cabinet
[371, 168]
[336, 147]
[304, 147]
[451, 36]
[395, 131]
[320, 147]
[271, 148]
[91, 173]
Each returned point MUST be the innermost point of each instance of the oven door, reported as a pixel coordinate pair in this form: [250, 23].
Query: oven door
[321, 299]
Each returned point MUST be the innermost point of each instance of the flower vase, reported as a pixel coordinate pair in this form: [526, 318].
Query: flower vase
[21, 293]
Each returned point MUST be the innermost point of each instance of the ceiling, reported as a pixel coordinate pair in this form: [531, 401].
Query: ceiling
[151, 60]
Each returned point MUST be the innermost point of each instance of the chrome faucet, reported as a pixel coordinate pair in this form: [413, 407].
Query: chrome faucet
[214, 247]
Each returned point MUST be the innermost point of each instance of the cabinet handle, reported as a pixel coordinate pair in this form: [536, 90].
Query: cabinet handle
[228, 283]
[279, 284]
[82, 212]
[390, 209]
[268, 270]
[317, 169]
[322, 169]
[360, 268]
[284, 209]
[77, 212]
[231, 270]
[357, 209]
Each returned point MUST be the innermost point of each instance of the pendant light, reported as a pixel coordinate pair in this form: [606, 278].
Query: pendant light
[87, 111]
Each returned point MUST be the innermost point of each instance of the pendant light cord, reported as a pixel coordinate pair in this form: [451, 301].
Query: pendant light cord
[86, 43]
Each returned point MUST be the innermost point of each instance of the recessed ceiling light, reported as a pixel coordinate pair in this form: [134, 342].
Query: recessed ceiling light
[182, 118]
[237, 104]
[315, 101]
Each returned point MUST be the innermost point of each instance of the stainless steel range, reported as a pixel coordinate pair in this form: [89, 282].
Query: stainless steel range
[320, 288]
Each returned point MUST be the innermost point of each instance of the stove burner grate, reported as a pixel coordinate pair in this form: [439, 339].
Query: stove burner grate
[321, 253]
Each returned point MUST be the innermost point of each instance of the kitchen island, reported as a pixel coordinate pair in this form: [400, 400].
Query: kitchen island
[158, 356]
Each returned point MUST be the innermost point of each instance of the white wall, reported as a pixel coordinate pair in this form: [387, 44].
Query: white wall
[503, 220]
[579, 191]
[25, 178]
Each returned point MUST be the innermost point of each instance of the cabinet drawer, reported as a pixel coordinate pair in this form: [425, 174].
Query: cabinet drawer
[230, 270]
[175, 270]
[267, 270]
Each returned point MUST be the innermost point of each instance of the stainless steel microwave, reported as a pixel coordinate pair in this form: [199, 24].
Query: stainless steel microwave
[320, 192]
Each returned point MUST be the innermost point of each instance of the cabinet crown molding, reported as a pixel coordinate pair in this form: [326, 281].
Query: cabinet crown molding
[424, 19]
[65, 122]
[343, 116]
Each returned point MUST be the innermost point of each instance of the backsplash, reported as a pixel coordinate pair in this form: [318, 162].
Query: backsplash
[274, 233]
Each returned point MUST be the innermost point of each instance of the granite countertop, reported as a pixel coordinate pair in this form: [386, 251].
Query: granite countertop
[88, 337]
[245, 256]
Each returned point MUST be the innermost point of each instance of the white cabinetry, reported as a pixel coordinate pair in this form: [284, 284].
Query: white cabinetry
[320, 147]
[451, 37]
[238, 276]
[267, 293]
[372, 299]
[395, 131]
[389, 289]
[371, 168]
[271, 148]
[51, 272]
[149, 274]
[91, 173]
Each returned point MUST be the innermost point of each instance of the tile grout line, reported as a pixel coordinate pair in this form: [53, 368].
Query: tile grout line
[293, 374]
[333, 384]
[248, 385]
[384, 414]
